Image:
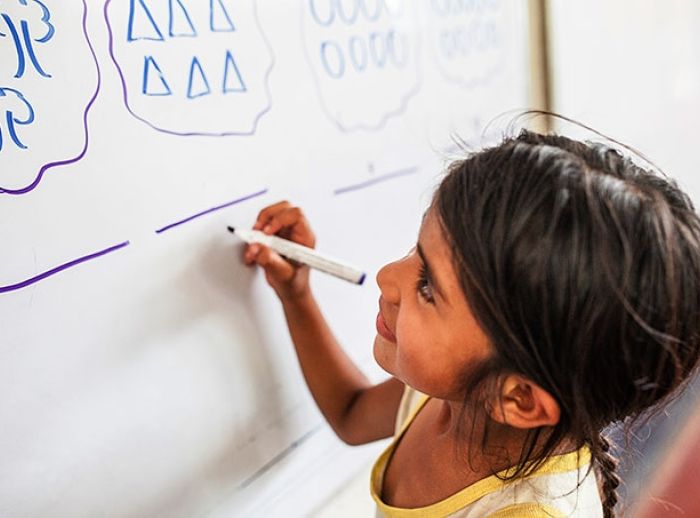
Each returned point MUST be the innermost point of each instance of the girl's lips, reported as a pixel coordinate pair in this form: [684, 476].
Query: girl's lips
[383, 330]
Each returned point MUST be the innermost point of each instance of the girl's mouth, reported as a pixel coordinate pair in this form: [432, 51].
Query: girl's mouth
[383, 330]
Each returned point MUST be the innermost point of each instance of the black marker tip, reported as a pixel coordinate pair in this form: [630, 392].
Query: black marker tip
[231, 229]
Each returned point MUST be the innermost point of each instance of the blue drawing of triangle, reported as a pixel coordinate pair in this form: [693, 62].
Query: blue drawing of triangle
[159, 86]
[180, 21]
[198, 84]
[142, 26]
[219, 19]
[233, 82]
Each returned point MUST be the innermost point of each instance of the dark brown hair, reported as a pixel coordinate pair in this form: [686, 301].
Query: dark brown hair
[583, 269]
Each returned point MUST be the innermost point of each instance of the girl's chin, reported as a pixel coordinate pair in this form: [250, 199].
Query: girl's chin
[383, 355]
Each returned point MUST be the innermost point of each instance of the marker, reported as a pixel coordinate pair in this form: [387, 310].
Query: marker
[302, 254]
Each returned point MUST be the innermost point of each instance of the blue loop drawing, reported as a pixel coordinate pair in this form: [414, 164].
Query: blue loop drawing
[352, 12]
[469, 39]
[12, 120]
[358, 53]
[351, 16]
[337, 69]
[397, 49]
[325, 22]
[372, 14]
[363, 49]
[376, 40]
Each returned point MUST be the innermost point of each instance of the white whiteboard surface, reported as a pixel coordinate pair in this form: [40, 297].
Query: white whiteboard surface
[144, 371]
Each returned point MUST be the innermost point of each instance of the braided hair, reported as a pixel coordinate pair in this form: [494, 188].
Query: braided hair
[583, 269]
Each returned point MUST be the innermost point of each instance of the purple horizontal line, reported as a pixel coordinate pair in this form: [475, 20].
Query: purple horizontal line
[209, 211]
[383, 178]
[65, 266]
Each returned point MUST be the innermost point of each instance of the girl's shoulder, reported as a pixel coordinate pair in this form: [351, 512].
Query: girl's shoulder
[563, 486]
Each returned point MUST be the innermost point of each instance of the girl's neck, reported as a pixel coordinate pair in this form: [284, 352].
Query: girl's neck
[465, 430]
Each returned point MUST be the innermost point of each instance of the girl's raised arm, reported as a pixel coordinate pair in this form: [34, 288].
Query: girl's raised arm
[357, 410]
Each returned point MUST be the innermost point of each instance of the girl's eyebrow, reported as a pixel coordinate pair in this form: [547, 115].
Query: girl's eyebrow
[429, 273]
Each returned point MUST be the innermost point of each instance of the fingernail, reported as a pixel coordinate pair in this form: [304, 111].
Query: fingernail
[267, 229]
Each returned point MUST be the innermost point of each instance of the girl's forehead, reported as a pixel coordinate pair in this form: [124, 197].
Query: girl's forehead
[431, 228]
[434, 244]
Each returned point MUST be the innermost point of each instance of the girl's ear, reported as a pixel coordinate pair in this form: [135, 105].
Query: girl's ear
[524, 404]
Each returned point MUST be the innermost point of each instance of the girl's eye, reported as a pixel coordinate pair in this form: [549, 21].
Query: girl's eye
[423, 286]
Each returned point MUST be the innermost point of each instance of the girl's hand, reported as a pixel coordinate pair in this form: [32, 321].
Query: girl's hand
[289, 280]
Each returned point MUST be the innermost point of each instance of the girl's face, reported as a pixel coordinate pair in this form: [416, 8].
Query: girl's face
[427, 336]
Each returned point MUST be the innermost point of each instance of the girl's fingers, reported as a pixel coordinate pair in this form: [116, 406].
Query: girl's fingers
[249, 254]
[288, 217]
[268, 212]
[274, 265]
[288, 220]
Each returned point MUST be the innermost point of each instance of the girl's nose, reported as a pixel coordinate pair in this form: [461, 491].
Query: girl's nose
[386, 279]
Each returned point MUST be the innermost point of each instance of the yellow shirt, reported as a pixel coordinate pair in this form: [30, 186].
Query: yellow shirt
[551, 491]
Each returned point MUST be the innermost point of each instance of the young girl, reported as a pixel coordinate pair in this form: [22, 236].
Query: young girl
[554, 289]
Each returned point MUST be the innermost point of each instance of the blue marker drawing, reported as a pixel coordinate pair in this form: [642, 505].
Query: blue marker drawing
[352, 17]
[379, 179]
[184, 72]
[147, 27]
[338, 69]
[198, 85]
[150, 67]
[211, 210]
[372, 16]
[378, 57]
[58, 269]
[392, 39]
[360, 61]
[11, 119]
[182, 26]
[368, 46]
[219, 19]
[22, 38]
[324, 22]
[233, 82]
[69, 115]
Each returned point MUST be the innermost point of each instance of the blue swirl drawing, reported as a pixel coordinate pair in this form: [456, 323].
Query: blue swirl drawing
[25, 32]
[11, 119]
[33, 36]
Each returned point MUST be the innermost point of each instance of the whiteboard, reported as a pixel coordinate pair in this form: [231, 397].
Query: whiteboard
[144, 370]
